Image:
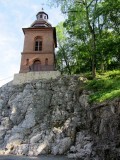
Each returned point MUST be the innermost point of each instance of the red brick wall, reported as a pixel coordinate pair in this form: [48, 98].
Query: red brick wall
[47, 47]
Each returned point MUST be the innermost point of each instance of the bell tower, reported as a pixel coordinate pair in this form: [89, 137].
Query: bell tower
[39, 46]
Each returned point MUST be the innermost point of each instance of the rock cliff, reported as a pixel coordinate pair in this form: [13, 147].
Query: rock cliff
[55, 117]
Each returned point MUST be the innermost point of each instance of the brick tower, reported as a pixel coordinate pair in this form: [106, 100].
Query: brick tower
[39, 46]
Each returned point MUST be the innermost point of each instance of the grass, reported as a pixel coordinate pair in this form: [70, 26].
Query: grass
[106, 86]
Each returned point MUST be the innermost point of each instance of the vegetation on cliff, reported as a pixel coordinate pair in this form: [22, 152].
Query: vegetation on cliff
[89, 42]
[106, 86]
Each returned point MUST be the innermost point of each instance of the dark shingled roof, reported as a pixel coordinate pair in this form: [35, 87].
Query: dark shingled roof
[42, 12]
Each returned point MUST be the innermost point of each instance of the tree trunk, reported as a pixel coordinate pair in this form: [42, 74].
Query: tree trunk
[92, 32]
[66, 61]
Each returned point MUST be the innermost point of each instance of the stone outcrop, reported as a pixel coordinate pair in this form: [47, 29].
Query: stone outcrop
[55, 117]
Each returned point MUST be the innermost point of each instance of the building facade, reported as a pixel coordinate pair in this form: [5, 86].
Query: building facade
[39, 46]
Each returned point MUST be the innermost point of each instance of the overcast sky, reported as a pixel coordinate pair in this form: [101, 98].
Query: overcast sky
[15, 15]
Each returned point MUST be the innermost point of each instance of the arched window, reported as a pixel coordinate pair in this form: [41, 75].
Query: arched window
[46, 61]
[40, 15]
[36, 65]
[38, 44]
[27, 62]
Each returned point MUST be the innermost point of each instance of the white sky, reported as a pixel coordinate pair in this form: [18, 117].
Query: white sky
[15, 15]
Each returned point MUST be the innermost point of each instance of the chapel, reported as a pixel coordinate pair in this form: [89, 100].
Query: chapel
[39, 46]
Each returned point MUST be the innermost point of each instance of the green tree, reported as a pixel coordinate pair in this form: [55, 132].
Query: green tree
[62, 56]
[93, 28]
[109, 11]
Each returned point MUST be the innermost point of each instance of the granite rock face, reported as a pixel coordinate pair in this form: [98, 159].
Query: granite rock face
[55, 117]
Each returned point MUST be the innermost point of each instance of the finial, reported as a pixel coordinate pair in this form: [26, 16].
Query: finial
[42, 6]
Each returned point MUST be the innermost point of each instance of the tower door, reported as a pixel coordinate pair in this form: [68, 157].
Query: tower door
[37, 65]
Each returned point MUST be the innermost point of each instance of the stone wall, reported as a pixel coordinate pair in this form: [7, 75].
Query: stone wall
[55, 117]
[22, 78]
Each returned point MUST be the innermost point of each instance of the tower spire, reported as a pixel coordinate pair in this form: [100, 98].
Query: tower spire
[42, 6]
